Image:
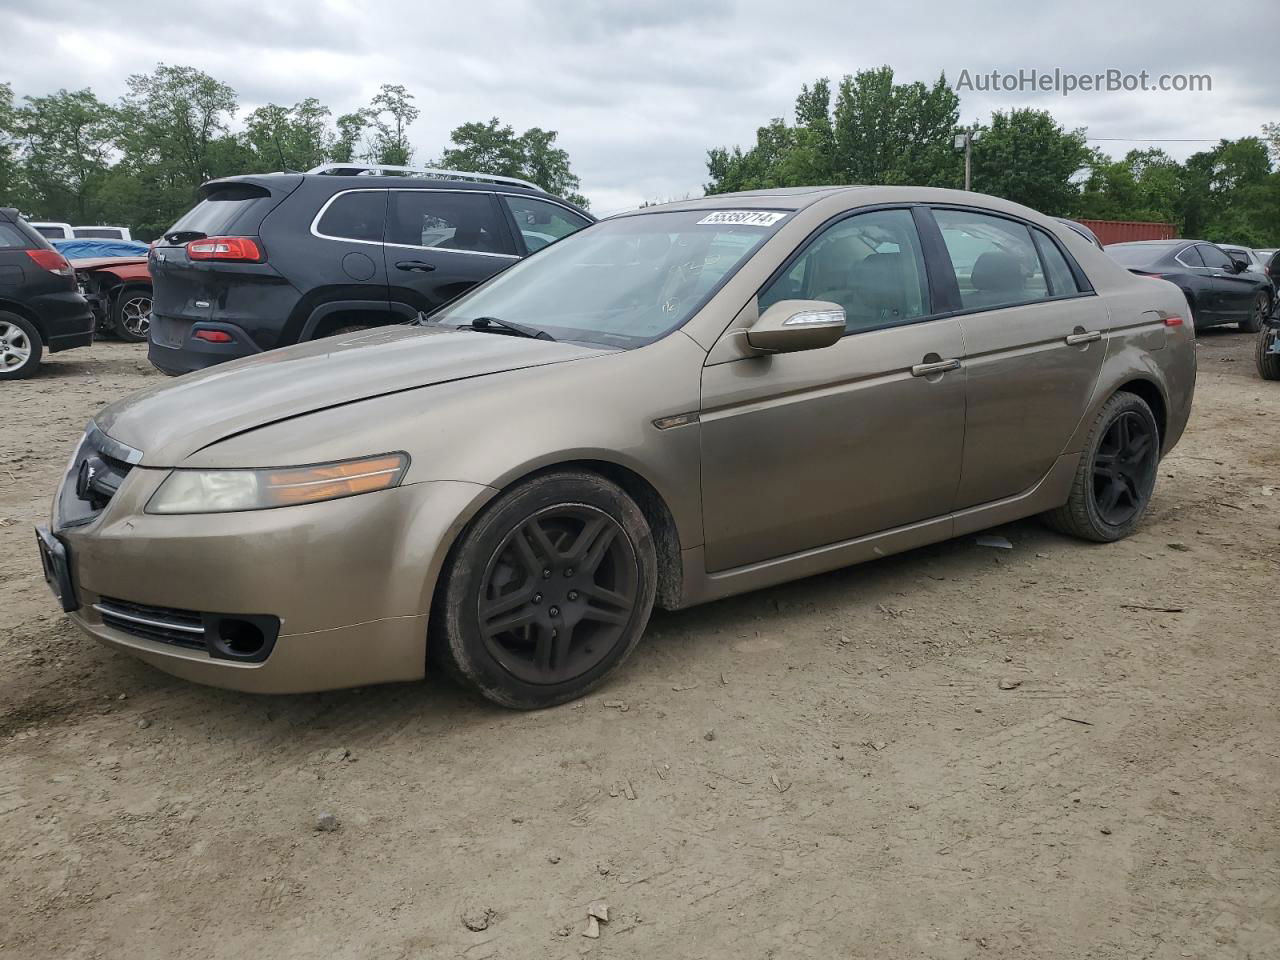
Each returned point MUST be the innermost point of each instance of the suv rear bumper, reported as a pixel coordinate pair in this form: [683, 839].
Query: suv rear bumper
[66, 319]
[190, 353]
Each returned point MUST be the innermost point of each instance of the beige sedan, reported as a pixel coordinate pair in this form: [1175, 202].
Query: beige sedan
[671, 406]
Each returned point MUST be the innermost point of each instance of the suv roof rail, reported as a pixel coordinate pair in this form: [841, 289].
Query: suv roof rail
[357, 169]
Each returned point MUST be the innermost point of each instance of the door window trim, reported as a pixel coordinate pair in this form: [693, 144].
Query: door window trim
[803, 247]
[488, 194]
[947, 267]
[1190, 266]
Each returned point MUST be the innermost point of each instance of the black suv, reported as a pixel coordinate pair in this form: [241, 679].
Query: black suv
[271, 260]
[40, 307]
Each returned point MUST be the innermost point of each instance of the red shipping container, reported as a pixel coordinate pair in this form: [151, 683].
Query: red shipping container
[1124, 231]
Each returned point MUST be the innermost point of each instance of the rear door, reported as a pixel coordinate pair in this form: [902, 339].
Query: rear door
[1034, 334]
[440, 243]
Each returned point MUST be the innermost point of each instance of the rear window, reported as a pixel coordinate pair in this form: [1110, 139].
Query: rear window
[55, 233]
[1138, 255]
[224, 207]
[97, 233]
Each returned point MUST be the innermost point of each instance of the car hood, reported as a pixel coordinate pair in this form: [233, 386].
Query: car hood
[169, 422]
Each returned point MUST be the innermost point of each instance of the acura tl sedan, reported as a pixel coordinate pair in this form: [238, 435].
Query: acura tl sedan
[668, 407]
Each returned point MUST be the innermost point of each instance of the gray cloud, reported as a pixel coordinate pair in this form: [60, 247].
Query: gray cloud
[639, 92]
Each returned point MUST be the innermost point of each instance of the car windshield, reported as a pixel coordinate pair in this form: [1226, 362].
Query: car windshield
[623, 282]
[1138, 254]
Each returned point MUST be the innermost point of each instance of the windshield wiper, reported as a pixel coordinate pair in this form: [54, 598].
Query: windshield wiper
[509, 327]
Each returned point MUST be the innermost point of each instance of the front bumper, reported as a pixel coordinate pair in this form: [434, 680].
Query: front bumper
[350, 580]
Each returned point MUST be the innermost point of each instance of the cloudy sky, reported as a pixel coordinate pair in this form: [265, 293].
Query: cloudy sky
[639, 91]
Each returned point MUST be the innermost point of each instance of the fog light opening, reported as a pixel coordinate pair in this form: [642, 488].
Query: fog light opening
[240, 637]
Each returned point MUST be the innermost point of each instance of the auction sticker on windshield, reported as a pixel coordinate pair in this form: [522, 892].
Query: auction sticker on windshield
[748, 218]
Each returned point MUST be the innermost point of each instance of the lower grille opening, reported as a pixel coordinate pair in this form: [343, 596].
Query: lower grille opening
[242, 637]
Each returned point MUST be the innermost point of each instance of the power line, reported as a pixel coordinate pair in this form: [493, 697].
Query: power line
[1159, 139]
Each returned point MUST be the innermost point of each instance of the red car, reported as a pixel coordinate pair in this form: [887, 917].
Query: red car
[119, 290]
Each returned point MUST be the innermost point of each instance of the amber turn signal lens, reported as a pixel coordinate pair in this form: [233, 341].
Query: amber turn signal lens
[308, 484]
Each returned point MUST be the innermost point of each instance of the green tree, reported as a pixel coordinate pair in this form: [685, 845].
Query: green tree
[67, 138]
[10, 166]
[496, 148]
[290, 138]
[175, 136]
[1226, 193]
[351, 127]
[1144, 185]
[877, 132]
[1026, 156]
[390, 114]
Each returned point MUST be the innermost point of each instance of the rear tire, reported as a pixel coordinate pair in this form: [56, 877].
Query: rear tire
[1116, 475]
[1257, 313]
[20, 347]
[1268, 362]
[547, 591]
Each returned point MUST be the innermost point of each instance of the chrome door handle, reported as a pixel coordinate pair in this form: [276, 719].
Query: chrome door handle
[1076, 338]
[940, 366]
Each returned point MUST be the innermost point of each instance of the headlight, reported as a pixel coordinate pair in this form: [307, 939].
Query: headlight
[221, 491]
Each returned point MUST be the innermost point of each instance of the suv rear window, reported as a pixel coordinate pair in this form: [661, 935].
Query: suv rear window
[218, 213]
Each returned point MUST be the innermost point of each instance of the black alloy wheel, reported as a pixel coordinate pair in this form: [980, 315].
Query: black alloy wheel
[1115, 475]
[1123, 468]
[1258, 313]
[558, 594]
[546, 592]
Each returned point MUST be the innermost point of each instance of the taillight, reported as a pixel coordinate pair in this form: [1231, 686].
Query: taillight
[52, 261]
[212, 336]
[243, 249]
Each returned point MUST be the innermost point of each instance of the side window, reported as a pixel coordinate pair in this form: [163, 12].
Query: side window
[995, 261]
[355, 216]
[1062, 282]
[1190, 257]
[541, 223]
[11, 238]
[1214, 258]
[869, 263]
[462, 221]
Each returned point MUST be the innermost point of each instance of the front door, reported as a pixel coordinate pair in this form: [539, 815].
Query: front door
[441, 243]
[807, 449]
[1233, 292]
[1034, 337]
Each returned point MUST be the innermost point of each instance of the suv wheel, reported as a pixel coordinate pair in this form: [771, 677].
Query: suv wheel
[20, 347]
[131, 314]
[547, 591]
[1257, 313]
[1116, 475]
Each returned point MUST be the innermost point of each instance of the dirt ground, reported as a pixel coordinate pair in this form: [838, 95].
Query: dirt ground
[828, 769]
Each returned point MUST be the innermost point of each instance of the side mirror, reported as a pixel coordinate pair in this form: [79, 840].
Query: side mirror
[1240, 265]
[792, 325]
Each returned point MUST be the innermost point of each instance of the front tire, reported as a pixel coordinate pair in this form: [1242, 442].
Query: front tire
[1268, 362]
[1116, 475]
[131, 314]
[20, 347]
[1257, 313]
[547, 592]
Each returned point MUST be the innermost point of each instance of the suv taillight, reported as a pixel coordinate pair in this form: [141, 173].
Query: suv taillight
[52, 261]
[243, 249]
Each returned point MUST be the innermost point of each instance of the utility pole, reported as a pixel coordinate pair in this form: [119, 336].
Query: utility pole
[964, 141]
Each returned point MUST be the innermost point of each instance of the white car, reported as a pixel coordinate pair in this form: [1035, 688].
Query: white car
[65, 231]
